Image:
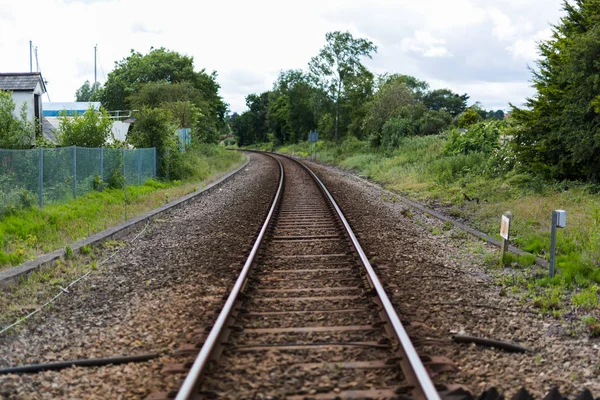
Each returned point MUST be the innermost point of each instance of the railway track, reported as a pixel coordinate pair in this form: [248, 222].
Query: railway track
[307, 317]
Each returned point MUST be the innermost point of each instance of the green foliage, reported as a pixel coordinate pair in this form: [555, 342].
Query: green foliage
[561, 124]
[154, 128]
[396, 128]
[68, 253]
[164, 77]
[15, 132]
[92, 129]
[586, 298]
[446, 100]
[88, 92]
[337, 64]
[393, 97]
[468, 118]
[28, 231]
[482, 137]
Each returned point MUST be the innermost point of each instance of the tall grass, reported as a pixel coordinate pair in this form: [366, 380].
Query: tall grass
[476, 187]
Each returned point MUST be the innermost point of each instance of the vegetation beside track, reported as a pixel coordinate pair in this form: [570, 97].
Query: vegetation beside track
[461, 186]
[29, 232]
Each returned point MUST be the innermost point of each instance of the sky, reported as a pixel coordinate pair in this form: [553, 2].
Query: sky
[479, 47]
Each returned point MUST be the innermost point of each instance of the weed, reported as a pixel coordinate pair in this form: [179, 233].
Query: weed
[587, 298]
[68, 253]
[85, 250]
[550, 300]
[405, 212]
[491, 259]
[447, 226]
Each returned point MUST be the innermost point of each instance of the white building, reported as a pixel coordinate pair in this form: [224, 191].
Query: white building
[26, 88]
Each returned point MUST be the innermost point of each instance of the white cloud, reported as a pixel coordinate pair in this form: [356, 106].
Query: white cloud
[248, 43]
[527, 48]
[423, 43]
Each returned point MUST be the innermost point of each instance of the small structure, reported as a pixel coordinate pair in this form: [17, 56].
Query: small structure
[26, 88]
[54, 109]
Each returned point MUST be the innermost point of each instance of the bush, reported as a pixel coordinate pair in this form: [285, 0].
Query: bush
[92, 129]
[483, 137]
[433, 122]
[153, 128]
[15, 133]
[395, 129]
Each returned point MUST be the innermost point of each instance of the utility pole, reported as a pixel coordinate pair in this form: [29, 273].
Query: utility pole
[95, 72]
[37, 62]
[30, 56]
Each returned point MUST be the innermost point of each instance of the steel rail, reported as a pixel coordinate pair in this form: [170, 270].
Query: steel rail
[426, 385]
[192, 380]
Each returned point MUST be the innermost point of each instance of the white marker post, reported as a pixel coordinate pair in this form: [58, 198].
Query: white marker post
[559, 220]
[505, 234]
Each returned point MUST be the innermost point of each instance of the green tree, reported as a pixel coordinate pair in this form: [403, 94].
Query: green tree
[15, 133]
[336, 63]
[388, 102]
[88, 92]
[418, 87]
[446, 100]
[154, 127]
[559, 130]
[469, 117]
[92, 129]
[163, 76]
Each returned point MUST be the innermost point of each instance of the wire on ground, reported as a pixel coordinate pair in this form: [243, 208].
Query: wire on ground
[65, 289]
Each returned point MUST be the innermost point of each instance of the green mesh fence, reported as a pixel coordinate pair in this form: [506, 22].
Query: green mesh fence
[45, 176]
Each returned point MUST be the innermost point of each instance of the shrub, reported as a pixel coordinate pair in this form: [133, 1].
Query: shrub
[483, 137]
[15, 133]
[92, 129]
[396, 128]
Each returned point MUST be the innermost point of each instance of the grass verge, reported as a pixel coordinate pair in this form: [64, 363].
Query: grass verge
[476, 189]
[27, 233]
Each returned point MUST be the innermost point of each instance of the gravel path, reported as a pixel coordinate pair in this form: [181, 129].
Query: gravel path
[146, 299]
[443, 284]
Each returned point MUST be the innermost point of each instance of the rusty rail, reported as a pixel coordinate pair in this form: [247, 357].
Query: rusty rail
[411, 363]
[425, 385]
[192, 380]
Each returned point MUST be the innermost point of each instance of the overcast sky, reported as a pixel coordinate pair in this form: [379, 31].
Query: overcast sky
[481, 47]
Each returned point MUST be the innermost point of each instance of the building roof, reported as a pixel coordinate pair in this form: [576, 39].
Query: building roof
[21, 81]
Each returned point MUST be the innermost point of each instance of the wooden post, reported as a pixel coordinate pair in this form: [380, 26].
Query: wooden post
[505, 234]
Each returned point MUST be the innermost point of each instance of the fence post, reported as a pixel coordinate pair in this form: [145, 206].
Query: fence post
[123, 166]
[41, 177]
[101, 168]
[154, 170]
[74, 172]
[139, 167]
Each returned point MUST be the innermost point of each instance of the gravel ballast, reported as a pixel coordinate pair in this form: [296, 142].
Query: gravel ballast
[171, 279]
[445, 288]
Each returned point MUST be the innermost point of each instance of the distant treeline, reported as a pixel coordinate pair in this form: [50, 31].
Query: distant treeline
[341, 98]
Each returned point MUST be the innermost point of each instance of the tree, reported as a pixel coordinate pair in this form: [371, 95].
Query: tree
[92, 129]
[153, 127]
[558, 132]
[388, 102]
[446, 100]
[469, 117]
[163, 76]
[15, 132]
[336, 63]
[88, 92]
[418, 87]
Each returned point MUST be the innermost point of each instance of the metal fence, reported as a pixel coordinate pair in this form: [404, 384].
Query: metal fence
[184, 138]
[44, 176]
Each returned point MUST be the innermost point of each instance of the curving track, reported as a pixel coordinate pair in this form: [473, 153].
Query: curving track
[307, 317]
